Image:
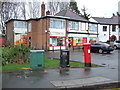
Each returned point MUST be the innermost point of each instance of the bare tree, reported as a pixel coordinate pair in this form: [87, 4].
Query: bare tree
[5, 14]
[17, 10]
[36, 9]
[30, 9]
[55, 6]
[64, 5]
[33, 9]
[23, 9]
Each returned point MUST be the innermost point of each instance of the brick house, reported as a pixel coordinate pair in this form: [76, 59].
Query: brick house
[59, 31]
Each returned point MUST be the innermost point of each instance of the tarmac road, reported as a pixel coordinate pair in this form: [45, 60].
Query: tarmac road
[107, 60]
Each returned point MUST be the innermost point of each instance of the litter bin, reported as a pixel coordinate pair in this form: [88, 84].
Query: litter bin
[36, 59]
[64, 58]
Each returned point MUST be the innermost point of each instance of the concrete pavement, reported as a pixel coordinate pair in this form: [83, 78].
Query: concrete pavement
[60, 78]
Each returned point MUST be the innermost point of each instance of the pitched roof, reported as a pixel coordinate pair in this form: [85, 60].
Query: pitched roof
[102, 20]
[115, 19]
[71, 15]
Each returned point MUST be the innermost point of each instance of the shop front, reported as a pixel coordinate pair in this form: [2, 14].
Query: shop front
[76, 40]
[79, 39]
[57, 39]
[20, 38]
[57, 42]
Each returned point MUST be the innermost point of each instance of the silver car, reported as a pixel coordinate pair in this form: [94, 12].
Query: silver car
[117, 44]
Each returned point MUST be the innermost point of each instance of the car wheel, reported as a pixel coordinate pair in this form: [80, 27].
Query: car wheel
[100, 51]
[108, 52]
[115, 47]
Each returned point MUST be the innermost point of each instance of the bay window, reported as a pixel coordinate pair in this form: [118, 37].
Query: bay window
[73, 25]
[20, 24]
[57, 23]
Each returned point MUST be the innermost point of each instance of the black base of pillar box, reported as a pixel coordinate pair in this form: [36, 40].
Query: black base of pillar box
[87, 64]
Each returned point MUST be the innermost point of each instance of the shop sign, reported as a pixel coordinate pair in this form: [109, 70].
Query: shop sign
[20, 30]
[57, 34]
[79, 41]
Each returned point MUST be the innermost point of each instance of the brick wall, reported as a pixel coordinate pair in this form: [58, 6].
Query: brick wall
[40, 38]
[10, 33]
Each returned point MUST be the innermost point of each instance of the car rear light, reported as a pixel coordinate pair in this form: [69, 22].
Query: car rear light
[107, 47]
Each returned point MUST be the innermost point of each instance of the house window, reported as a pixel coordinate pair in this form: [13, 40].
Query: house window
[104, 28]
[93, 27]
[113, 28]
[29, 27]
[57, 23]
[73, 25]
[20, 24]
[84, 26]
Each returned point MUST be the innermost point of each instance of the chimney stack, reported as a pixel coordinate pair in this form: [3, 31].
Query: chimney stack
[43, 9]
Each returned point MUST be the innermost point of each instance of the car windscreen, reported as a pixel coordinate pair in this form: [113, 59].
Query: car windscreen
[117, 41]
[105, 44]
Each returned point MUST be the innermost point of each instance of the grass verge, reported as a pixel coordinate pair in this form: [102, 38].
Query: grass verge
[49, 63]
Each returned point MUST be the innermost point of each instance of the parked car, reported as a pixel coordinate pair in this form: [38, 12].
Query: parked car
[101, 47]
[116, 44]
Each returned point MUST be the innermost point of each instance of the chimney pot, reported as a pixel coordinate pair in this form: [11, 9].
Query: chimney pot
[48, 13]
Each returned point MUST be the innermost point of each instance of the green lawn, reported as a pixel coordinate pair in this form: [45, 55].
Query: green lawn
[49, 63]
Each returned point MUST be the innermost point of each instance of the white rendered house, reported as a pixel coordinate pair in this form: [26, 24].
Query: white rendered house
[108, 28]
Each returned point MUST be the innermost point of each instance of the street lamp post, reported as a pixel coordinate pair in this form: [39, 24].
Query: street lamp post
[88, 31]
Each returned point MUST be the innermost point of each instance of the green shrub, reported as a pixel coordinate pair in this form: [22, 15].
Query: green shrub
[17, 54]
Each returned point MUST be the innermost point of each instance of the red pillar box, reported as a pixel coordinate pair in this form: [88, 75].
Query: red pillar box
[87, 55]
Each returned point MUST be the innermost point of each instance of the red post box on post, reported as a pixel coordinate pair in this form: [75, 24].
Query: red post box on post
[87, 54]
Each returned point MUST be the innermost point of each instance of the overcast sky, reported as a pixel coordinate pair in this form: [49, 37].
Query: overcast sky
[99, 8]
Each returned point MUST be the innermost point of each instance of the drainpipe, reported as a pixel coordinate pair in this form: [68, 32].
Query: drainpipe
[109, 32]
[97, 33]
[88, 33]
[46, 31]
[66, 41]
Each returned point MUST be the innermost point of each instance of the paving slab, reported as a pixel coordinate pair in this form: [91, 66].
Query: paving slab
[80, 82]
